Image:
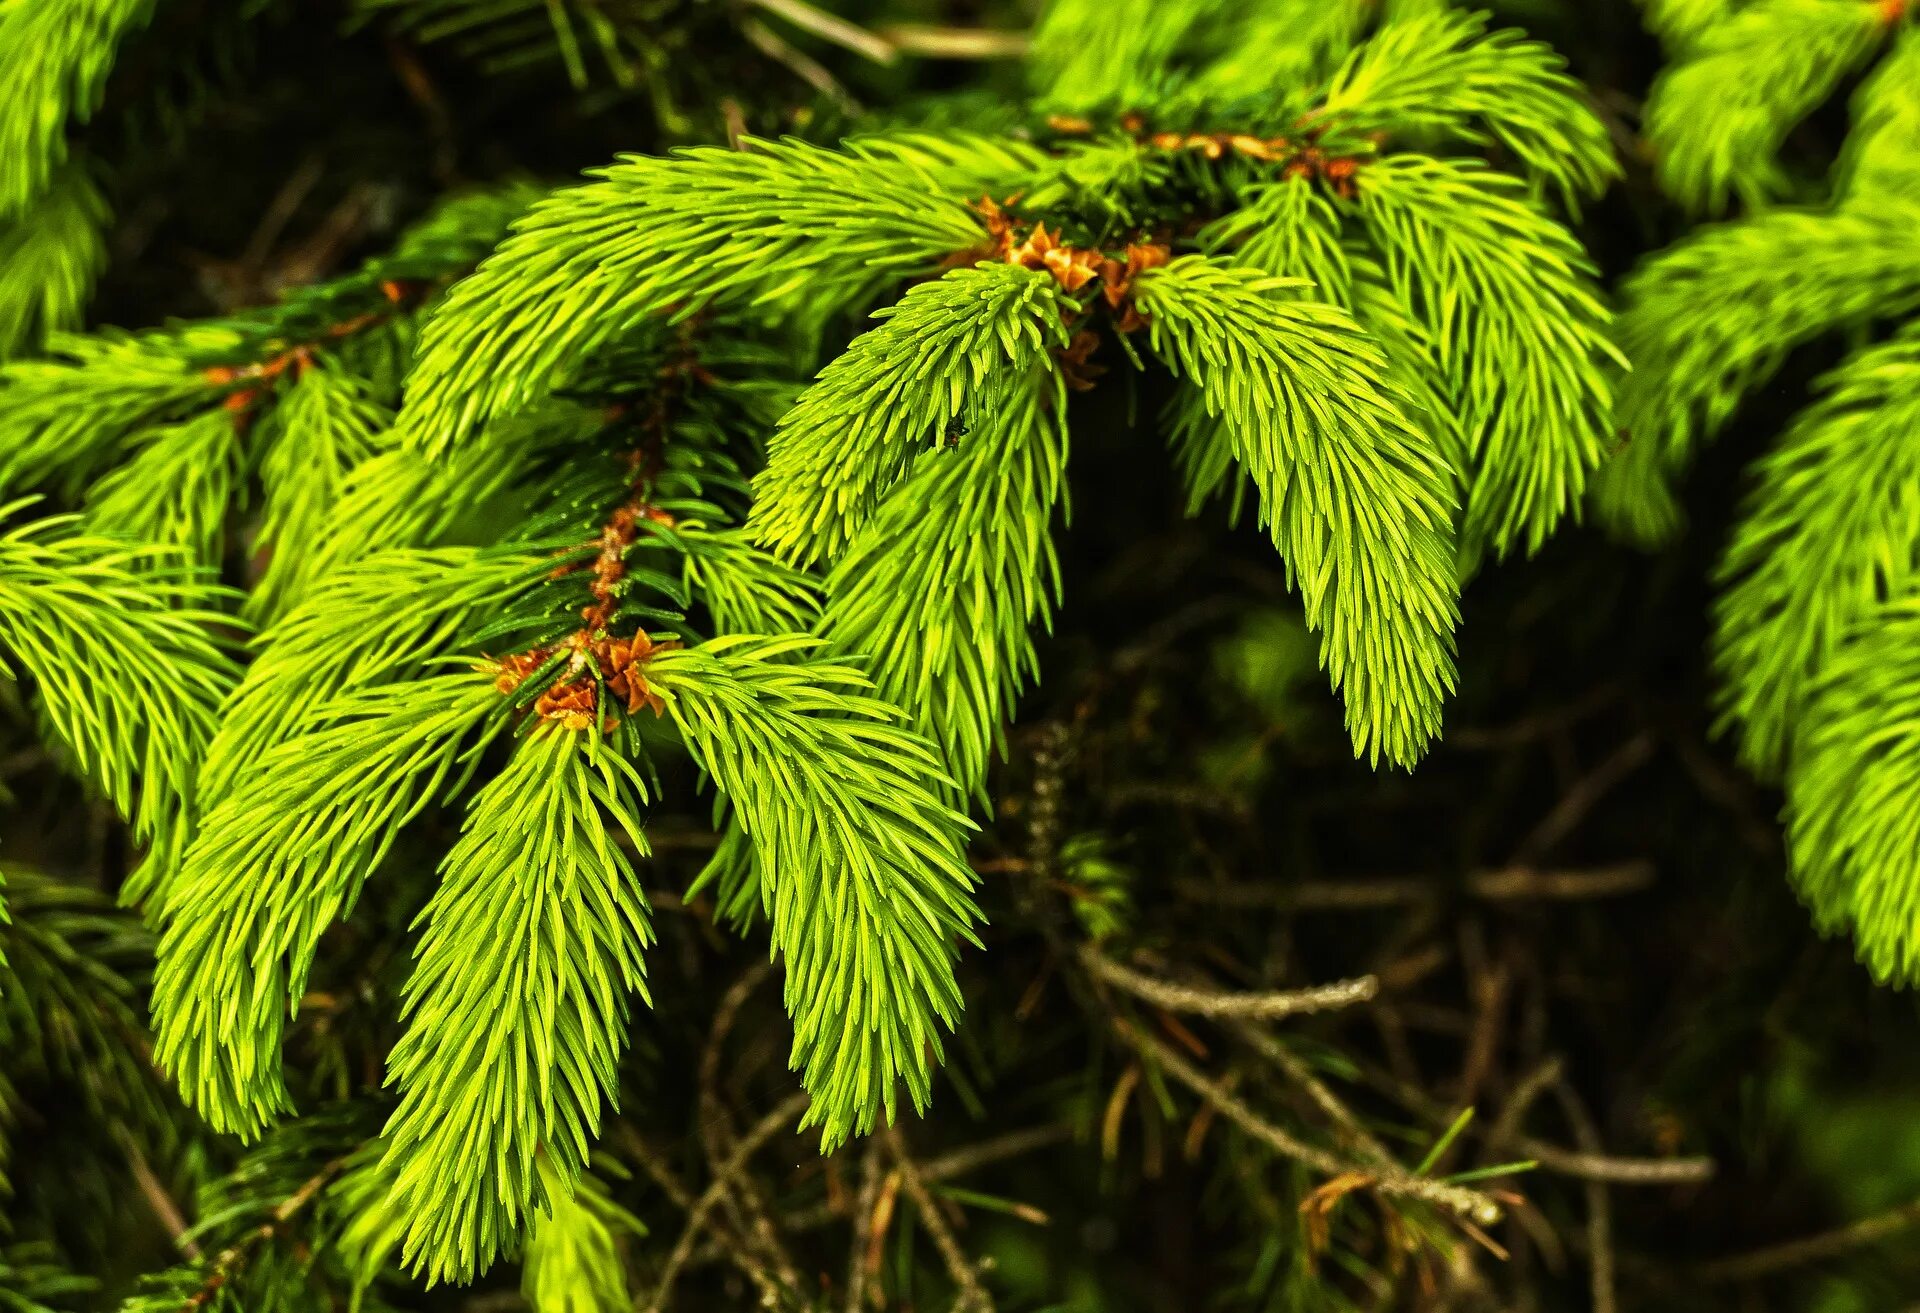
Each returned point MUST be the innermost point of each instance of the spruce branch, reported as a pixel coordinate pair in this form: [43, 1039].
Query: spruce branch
[326, 426]
[1710, 319]
[1441, 74]
[1831, 527]
[1353, 494]
[706, 227]
[859, 862]
[946, 355]
[1511, 308]
[940, 593]
[517, 1009]
[54, 59]
[67, 414]
[123, 645]
[1881, 155]
[1718, 117]
[175, 490]
[273, 866]
[50, 255]
[1851, 779]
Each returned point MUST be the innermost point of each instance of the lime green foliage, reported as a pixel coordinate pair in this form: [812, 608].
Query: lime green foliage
[1882, 152]
[944, 606]
[1710, 320]
[54, 60]
[1681, 23]
[502, 1073]
[327, 426]
[1832, 527]
[1354, 495]
[1491, 340]
[939, 355]
[705, 227]
[121, 647]
[1744, 80]
[1521, 364]
[1441, 76]
[1852, 827]
[49, 258]
[858, 857]
[272, 867]
[572, 1259]
[65, 416]
[174, 488]
[1818, 596]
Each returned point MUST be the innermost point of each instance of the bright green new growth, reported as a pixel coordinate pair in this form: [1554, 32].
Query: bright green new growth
[1710, 320]
[705, 227]
[1443, 77]
[572, 1261]
[1717, 118]
[1813, 627]
[943, 606]
[1368, 335]
[859, 859]
[1353, 493]
[49, 258]
[54, 59]
[326, 426]
[1831, 530]
[503, 1072]
[1522, 358]
[175, 488]
[943, 353]
[118, 642]
[278, 862]
[1852, 828]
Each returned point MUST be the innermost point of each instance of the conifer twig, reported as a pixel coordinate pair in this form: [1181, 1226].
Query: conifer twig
[1757, 1263]
[1316, 1089]
[756, 1138]
[863, 1208]
[973, 1296]
[1466, 1203]
[1265, 1005]
[833, 28]
[1599, 1207]
[748, 1210]
[1496, 885]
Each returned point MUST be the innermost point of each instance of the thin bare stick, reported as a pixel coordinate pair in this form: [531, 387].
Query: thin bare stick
[165, 1211]
[752, 1142]
[933, 42]
[1469, 1204]
[973, 1296]
[749, 1213]
[803, 66]
[863, 1208]
[975, 1156]
[1219, 1003]
[1812, 1249]
[831, 27]
[1316, 1089]
[1599, 1208]
[1581, 799]
[1609, 1168]
[1363, 894]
